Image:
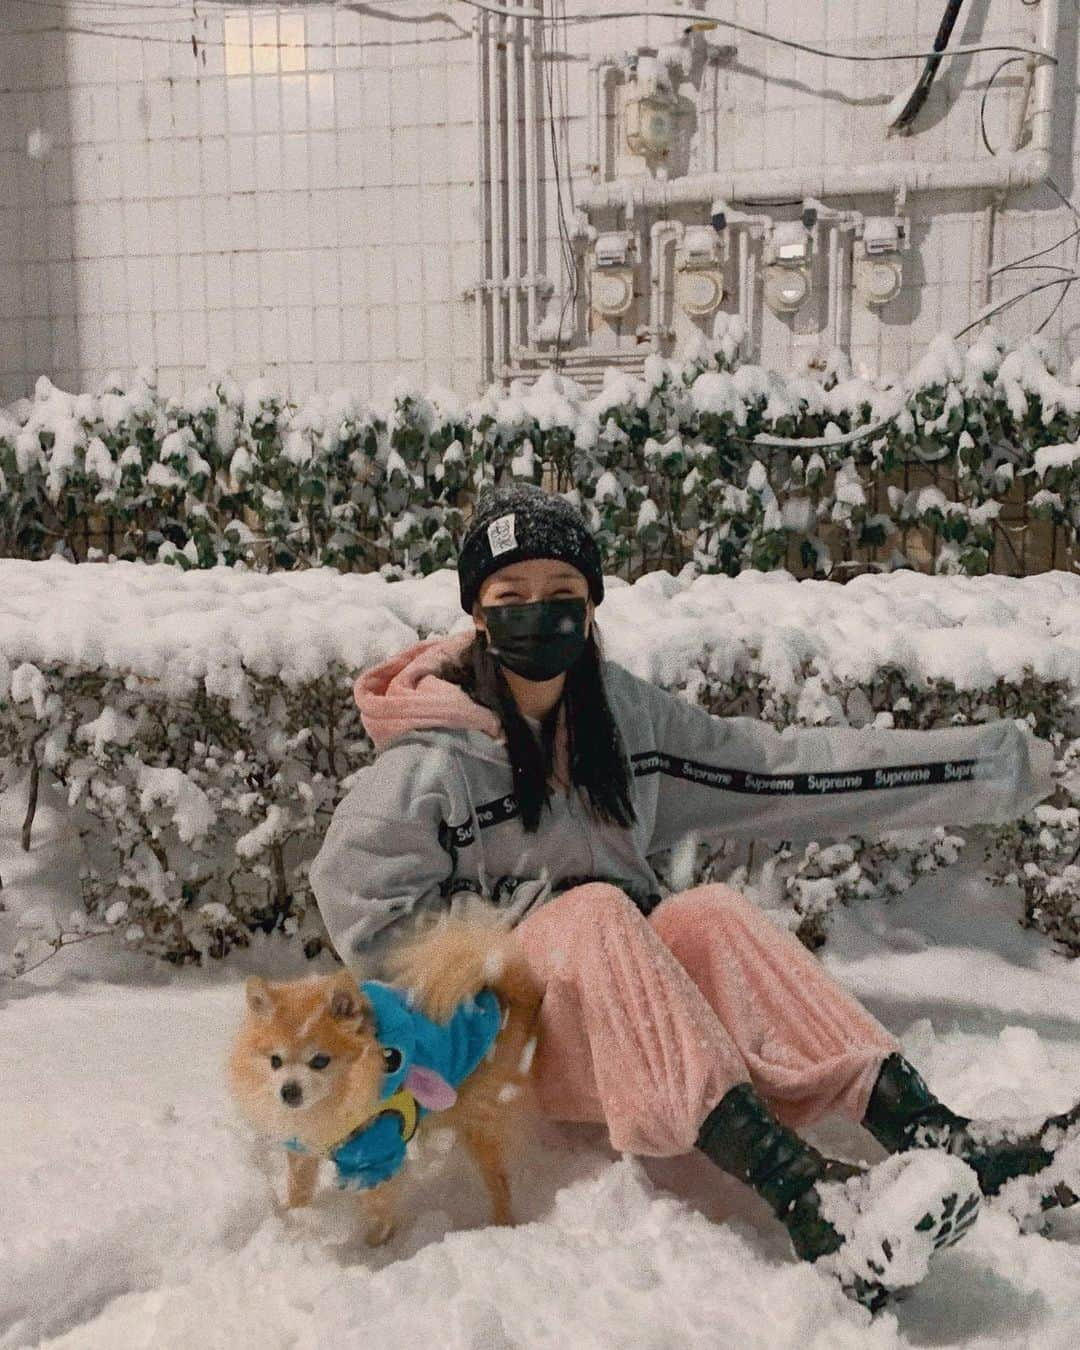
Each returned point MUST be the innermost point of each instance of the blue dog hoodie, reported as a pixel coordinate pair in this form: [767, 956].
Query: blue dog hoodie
[424, 1064]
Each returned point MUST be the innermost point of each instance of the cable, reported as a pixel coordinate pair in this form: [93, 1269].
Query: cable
[704, 19]
[1005, 267]
[1041, 267]
[986, 94]
[983, 315]
[921, 91]
[145, 6]
[1068, 287]
[699, 21]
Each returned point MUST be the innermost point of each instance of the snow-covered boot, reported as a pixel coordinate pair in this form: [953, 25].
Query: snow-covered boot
[874, 1228]
[1032, 1164]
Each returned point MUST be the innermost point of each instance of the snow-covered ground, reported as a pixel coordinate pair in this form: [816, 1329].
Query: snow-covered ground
[136, 1212]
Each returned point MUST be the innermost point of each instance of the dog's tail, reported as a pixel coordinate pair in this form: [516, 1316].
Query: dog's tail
[469, 949]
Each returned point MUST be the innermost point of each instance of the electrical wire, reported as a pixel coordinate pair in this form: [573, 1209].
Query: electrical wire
[704, 19]
[985, 314]
[1062, 297]
[144, 6]
[1005, 267]
[1076, 252]
[698, 21]
[986, 94]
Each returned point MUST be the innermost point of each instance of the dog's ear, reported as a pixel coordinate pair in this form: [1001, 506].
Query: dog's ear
[346, 1001]
[259, 999]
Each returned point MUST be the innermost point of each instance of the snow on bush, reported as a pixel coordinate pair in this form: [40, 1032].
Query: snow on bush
[663, 466]
[201, 723]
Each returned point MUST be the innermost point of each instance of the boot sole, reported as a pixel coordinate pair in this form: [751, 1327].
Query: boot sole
[912, 1213]
[945, 1227]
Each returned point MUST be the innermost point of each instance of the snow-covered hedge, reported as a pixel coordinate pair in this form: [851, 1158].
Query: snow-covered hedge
[201, 726]
[663, 466]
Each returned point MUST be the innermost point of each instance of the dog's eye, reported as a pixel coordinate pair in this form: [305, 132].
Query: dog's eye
[275, 1061]
[318, 1061]
[392, 1059]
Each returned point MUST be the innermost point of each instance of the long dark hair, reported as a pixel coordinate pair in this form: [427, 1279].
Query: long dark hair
[597, 757]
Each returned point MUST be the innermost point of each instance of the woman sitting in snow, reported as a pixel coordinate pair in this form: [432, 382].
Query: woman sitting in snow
[516, 762]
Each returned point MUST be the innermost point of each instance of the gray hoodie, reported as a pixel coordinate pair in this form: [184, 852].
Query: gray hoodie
[435, 814]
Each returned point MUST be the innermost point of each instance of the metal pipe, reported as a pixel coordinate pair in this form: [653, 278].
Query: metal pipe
[831, 323]
[661, 233]
[744, 255]
[498, 264]
[513, 184]
[597, 111]
[1044, 81]
[989, 216]
[830, 181]
[480, 293]
[1016, 170]
[532, 213]
[751, 288]
[843, 293]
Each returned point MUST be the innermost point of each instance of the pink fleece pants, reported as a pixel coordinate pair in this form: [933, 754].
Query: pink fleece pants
[647, 1022]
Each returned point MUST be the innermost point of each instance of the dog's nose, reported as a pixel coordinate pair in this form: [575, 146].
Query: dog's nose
[292, 1094]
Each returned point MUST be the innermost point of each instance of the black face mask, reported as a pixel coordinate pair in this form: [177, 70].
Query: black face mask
[539, 640]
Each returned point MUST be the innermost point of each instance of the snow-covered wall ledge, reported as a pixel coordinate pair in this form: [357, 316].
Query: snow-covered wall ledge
[200, 725]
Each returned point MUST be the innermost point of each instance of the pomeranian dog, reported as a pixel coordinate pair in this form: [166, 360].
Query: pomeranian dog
[306, 1066]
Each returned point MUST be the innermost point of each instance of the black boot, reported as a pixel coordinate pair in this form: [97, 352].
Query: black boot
[743, 1138]
[904, 1114]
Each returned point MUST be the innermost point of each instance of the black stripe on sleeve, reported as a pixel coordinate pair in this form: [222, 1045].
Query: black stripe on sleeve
[490, 813]
[804, 784]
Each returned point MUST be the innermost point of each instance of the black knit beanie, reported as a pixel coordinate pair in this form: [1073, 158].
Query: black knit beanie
[520, 522]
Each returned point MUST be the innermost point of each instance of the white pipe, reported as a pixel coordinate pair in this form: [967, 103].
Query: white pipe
[1022, 169]
[1044, 80]
[843, 290]
[513, 182]
[751, 298]
[744, 255]
[597, 112]
[498, 275]
[480, 294]
[662, 232]
[831, 323]
[989, 215]
[532, 214]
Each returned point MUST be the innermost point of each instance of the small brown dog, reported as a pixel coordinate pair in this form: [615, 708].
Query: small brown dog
[306, 1067]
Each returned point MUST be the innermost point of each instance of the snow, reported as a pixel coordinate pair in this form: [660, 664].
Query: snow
[1055, 457]
[879, 1206]
[138, 1213]
[212, 627]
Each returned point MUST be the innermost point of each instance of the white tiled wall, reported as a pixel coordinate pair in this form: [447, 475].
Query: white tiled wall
[210, 197]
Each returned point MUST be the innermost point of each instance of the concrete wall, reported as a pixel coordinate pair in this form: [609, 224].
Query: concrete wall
[308, 211]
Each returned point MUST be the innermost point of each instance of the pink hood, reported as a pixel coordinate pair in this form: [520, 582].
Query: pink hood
[407, 694]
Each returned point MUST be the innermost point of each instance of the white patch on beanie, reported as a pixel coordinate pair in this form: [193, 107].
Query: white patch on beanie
[501, 536]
